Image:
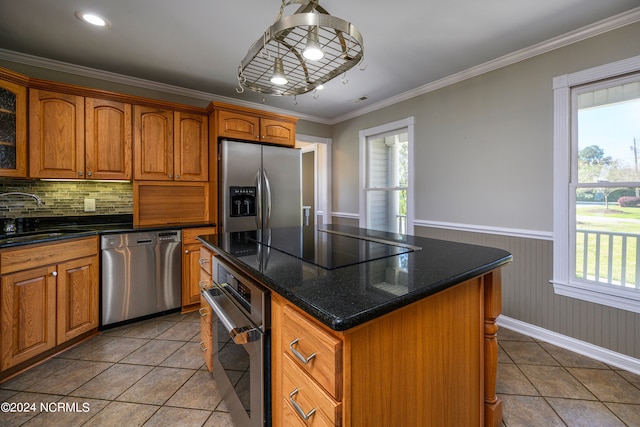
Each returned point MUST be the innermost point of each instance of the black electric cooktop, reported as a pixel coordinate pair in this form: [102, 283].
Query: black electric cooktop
[325, 248]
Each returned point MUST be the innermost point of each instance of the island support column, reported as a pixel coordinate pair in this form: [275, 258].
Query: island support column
[492, 309]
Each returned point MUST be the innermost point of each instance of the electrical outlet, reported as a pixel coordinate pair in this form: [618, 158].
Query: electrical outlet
[89, 205]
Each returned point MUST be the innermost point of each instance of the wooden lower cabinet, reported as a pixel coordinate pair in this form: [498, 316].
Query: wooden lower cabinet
[206, 333]
[431, 363]
[192, 262]
[78, 297]
[49, 295]
[28, 323]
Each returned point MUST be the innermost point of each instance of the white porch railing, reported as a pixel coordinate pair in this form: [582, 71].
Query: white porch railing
[608, 257]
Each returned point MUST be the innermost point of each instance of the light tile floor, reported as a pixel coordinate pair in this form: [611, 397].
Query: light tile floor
[148, 373]
[544, 385]
[151, 373]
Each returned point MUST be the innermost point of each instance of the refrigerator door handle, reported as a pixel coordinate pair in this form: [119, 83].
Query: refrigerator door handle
[267, 186]
[258, 200]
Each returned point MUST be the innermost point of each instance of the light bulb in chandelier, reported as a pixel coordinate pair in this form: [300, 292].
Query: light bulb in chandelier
[278, 77]
[313, 51]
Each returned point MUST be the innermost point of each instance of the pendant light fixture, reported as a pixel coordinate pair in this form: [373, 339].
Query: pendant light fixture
[310, 44]
[278, 77]
[313, 51]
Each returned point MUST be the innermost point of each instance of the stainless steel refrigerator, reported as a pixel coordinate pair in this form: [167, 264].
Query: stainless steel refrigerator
[260, 186]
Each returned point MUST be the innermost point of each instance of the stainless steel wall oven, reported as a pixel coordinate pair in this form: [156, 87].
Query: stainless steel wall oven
[241, 344]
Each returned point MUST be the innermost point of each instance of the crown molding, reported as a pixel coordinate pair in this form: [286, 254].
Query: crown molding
[600, 27]
[64, 67]
[592, 30]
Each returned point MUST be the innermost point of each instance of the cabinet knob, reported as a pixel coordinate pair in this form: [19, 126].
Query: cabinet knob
[54, 273]
[171, 175]
[177, 176]
[186, 251]
[79, 173]
[88, 173]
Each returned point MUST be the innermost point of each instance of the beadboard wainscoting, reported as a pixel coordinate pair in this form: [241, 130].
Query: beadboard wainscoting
[528, 296]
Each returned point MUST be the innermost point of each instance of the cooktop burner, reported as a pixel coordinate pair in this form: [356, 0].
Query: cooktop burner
[326, 248]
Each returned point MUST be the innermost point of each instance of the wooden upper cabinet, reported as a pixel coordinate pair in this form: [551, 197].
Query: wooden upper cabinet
[152, 144]
[107, 139]
[254, 127]
[278, 132]
[191, 147]
[56, 135]
[169, 146]
[237, 125]
[76, 137]
[13, 130]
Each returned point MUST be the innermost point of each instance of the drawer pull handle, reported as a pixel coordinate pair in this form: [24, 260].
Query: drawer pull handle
[202, 347]
[298, 408]
[204, 285]
[296, 353]
[203, 261]
[203, 312]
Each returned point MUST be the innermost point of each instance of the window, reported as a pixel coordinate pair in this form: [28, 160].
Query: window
[597, 185]
[386, 177]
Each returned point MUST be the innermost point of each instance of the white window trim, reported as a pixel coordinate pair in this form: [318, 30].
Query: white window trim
[563, 285]
[408, 123]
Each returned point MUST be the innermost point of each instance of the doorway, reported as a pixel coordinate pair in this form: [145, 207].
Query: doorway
[316, 178]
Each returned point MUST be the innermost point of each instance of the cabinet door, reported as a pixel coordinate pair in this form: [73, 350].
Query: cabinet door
[190, 147]
[152, 144]
[13, 130]
[107, 139]
[56, 135]
[78, 293]
[278, 132]
[236, 125]
[190, 276]
[28, 308]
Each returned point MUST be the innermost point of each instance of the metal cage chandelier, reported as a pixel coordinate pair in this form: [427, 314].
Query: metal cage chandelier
[300, 52]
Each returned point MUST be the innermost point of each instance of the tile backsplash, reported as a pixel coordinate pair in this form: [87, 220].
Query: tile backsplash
[64, 198]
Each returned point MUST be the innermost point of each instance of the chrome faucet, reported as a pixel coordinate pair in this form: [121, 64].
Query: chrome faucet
[39, 201]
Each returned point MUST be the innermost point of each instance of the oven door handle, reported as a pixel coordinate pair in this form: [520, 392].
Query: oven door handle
[239, 334]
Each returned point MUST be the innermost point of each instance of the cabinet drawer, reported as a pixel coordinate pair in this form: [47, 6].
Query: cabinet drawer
[189, 234]
[32, 256]
[205, 261]
[299, 389]
[206, 333]
[322, 350]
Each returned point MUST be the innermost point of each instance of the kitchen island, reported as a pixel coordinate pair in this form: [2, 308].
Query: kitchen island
[402, 327]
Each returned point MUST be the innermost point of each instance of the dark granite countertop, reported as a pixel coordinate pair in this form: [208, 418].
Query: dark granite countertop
[49, 229]
[345, 297]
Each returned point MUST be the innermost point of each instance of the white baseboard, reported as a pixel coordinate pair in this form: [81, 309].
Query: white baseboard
[601, 354]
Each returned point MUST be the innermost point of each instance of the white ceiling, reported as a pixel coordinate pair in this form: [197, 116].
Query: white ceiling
[198, 44]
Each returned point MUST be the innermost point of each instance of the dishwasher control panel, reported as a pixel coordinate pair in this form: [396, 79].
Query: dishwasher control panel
[170, 236]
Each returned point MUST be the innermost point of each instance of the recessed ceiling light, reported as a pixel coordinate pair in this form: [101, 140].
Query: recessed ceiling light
[92, 19]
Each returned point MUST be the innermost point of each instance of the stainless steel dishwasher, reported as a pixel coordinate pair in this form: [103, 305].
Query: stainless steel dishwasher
[141, 274]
